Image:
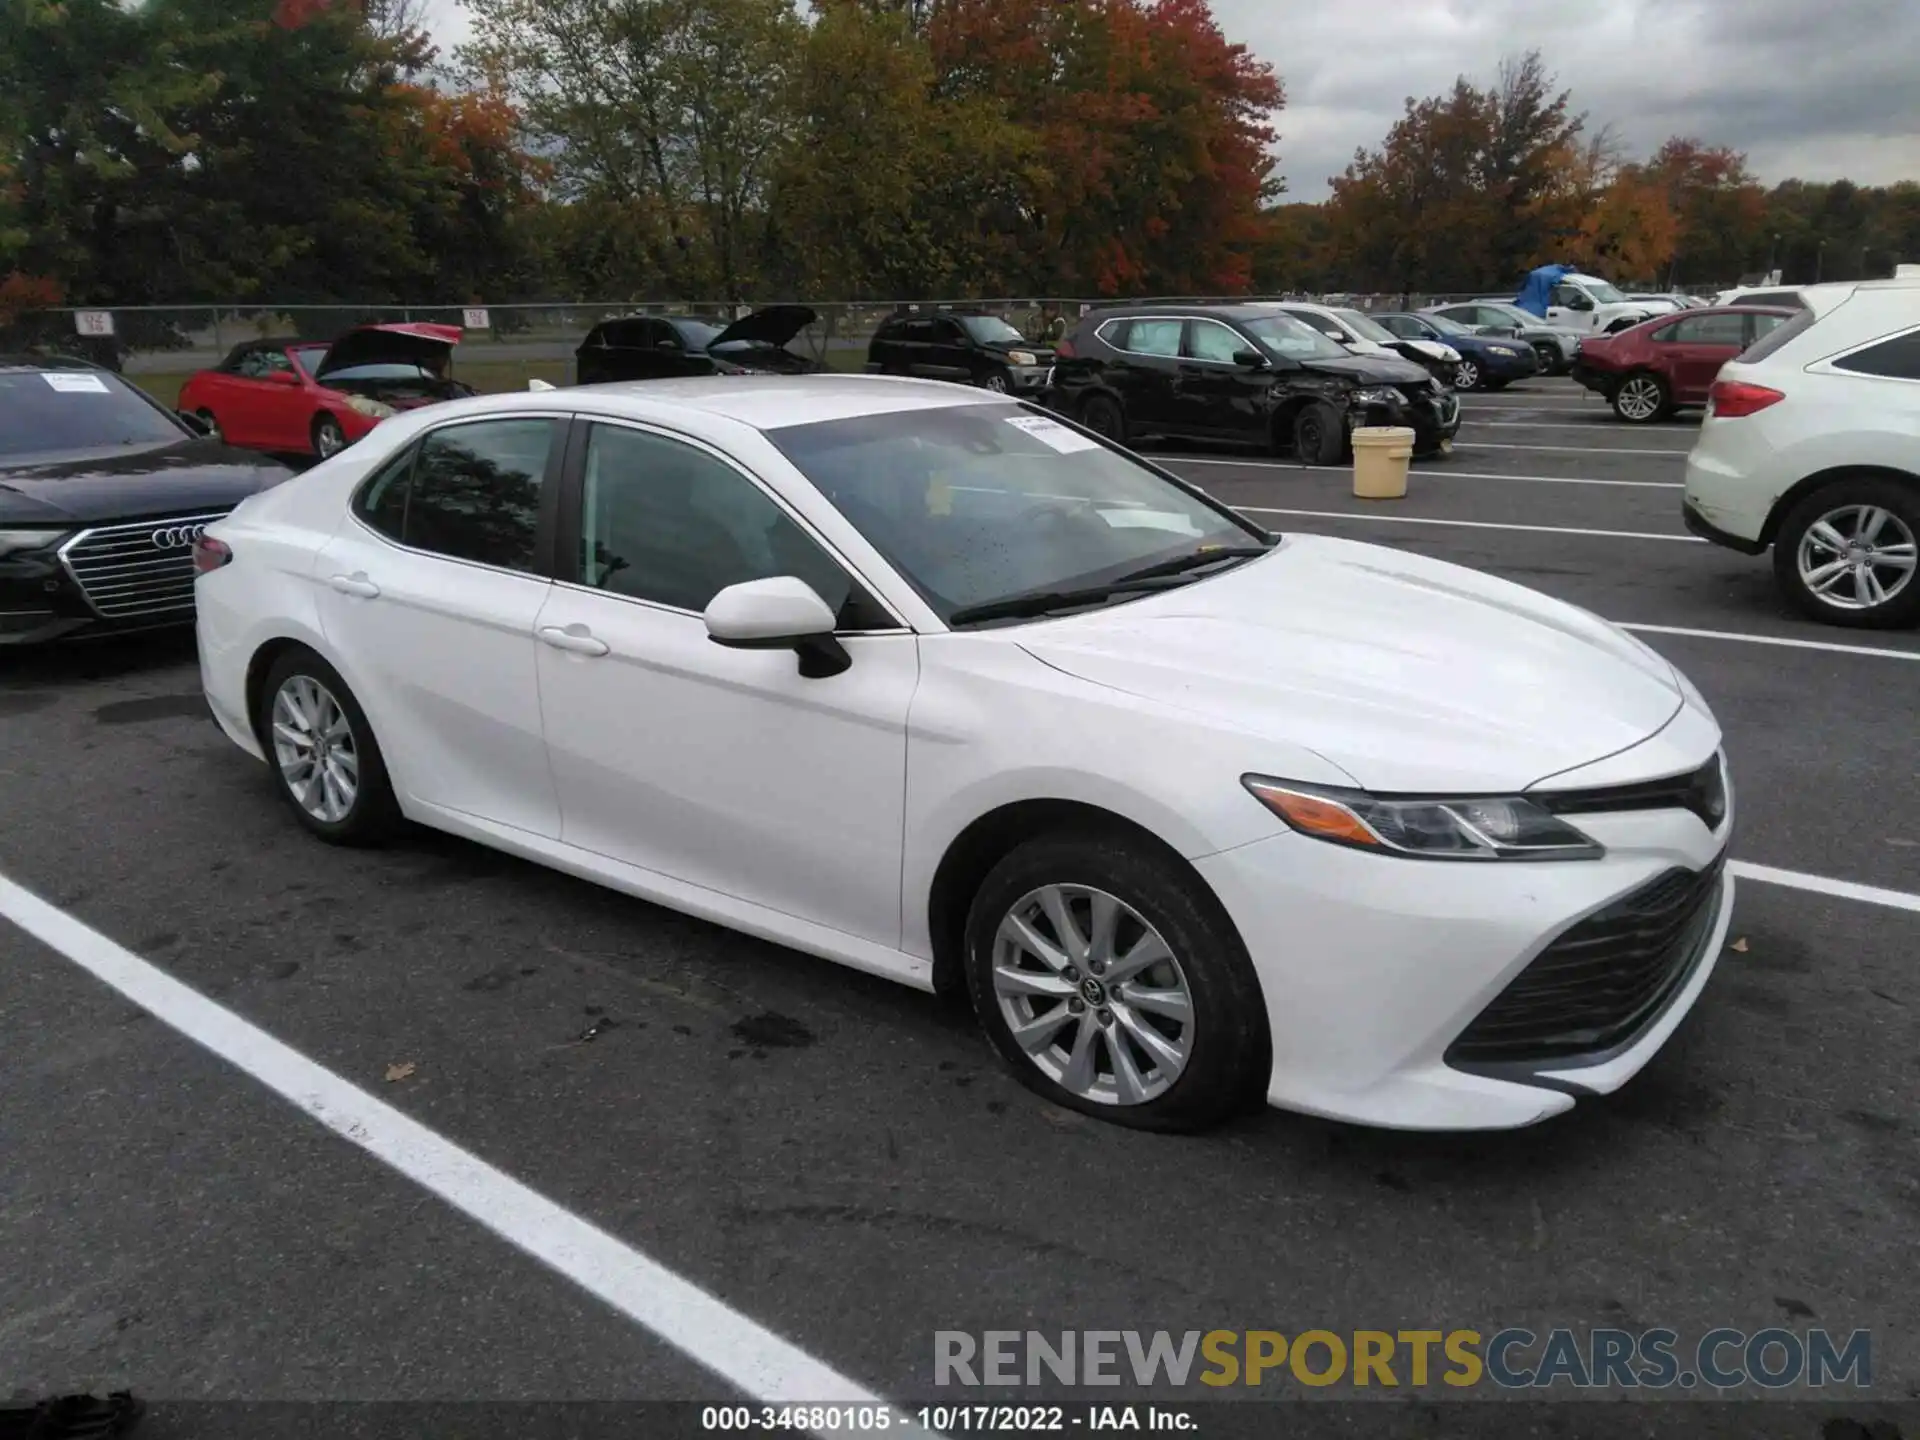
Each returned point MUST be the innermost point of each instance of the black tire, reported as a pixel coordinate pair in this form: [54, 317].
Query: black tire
[1901, 501]
[1630, 398]
[998, 381]
[329, 437]
[1229, 1056]
[214, 432]
[1102, 415]
[374, 815]
[1319, 435]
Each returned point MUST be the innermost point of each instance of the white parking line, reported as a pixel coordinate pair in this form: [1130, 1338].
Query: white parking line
[1781, 640]
[703, 1328]
[1574, 449]
[1591, 428]
[1443, 472]
[1821, 885]
[1471, 524]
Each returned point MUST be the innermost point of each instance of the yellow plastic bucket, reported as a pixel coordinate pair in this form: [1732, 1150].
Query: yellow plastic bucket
[1380, 456]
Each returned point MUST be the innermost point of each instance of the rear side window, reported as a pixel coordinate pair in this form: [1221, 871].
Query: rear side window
[382, 501]
[1780, 335]
[1707, 330]
[1155, 337]
[1897, 358]
[474, 491]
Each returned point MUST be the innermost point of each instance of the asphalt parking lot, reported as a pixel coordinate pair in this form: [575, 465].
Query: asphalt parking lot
[842, 1161]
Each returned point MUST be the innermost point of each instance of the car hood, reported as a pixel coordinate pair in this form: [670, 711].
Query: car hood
[399, 344]
[1412, 675]
[100, 486]
[1432, 349]
[775, 325]
[1371, 369]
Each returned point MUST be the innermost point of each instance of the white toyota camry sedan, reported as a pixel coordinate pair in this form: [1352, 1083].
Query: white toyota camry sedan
[929, 682]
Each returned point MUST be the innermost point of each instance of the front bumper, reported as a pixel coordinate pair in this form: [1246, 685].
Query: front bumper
[41, 602]
[1028, 379]
[1373, 967]
[1517, 366]
[1434, 419]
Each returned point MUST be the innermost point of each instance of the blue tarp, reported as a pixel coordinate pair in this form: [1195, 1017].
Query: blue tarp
[1538, 288]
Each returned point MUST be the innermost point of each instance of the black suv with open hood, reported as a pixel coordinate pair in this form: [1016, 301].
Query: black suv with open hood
[1247, 373]
[102, 493]
[644, 347]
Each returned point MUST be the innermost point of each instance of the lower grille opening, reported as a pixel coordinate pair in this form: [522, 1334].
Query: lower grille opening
[1601, 982]
[138, 571]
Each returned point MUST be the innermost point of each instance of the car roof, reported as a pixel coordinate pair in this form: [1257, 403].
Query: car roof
[44, 362]
[761, 402]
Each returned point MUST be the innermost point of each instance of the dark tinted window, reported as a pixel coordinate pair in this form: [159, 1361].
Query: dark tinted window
[1401, 325]
[475, 491]
[689, 334]
[667, 522]
[1210, 340]
[1896, 359]
[1706, 330]
[1780, 335]
[257, 364]
[46, 411]
[1763, 325]
[1773, 297]
[382, 501]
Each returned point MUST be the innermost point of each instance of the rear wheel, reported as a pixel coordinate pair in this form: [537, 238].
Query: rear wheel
[1846, 554]
[1466, 376]
[326, 763]
[1319, 437]
[328, 437]
[1111, 982]
[1102, 415]
[1641, 398]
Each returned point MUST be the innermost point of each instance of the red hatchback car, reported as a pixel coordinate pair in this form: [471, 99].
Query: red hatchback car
[1656, 367]
[315, 398]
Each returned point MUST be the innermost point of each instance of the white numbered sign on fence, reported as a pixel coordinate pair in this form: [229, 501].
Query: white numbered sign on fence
[475, 319]
[93, 322]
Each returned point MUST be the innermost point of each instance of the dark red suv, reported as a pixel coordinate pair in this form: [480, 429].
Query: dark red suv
[1649, 371]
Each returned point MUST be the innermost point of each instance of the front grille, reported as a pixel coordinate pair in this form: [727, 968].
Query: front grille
[142, 570]
[1593, 989]
[1702, 791]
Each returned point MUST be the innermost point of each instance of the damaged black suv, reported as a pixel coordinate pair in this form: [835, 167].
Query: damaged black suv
[1247, 373]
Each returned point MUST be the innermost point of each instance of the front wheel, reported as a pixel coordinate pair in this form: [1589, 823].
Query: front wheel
[1104, 417]
[329, 439]
[1846, 554]
[996, 381]
[214, 432]
[326, 763]
[1466, 376]
[1111, 982]
[1641, 398]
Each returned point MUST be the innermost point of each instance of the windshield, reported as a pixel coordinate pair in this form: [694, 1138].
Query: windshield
[974, 504]
[695, 333]
[1284, 335]
[47, 411]
[308, 357]
[1446, 326]
[1601, 291]
[1366, 328]
[991, 330]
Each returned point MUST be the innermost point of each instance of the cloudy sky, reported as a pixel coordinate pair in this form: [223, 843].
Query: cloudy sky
[1817, 89]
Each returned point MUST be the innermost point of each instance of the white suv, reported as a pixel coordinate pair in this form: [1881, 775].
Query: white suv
[1811, 445]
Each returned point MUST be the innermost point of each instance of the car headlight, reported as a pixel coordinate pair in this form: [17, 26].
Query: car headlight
[13, 542]
[1442, 828]
[1380, 396]
[1023, 357]
[1506, 350]
[373, 409]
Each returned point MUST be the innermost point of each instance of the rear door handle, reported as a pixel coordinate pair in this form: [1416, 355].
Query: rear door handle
[355, 584]
[574, 639]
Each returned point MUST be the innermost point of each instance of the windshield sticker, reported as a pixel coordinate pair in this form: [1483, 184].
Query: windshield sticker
[1053, 434]
[70, 384]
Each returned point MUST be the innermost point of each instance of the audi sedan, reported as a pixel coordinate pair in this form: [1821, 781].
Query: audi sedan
[923, 680]
[102, 493]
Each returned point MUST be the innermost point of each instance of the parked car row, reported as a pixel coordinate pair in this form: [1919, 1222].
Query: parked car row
[1658, 366]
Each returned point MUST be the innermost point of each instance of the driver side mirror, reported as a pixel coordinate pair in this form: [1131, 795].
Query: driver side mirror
[1250, 359]
[781, 613]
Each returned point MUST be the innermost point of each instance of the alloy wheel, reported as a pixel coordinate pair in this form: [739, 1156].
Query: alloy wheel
[1857, 557]
[1093, 995]
[1638, 398]
[314, 748]
[996, 383]
[328, 439]
[1466, 375]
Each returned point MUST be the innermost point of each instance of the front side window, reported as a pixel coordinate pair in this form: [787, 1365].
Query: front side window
[1895, 359]
[664, 521]
[1210, 340]
[473, 492]
[1365, 326]
[308, 358]
[1291, 339]
[974, 504]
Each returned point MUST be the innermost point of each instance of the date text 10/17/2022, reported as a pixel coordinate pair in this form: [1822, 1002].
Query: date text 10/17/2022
[950, 1419]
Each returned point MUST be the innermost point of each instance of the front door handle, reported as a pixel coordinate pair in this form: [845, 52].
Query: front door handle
[574, 639]
[355, 584]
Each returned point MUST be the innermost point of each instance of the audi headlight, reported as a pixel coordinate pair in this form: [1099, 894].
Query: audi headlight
[1376, 397]
[13, 542]
[1442, 828]
[373, 409]
[1023, 357]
